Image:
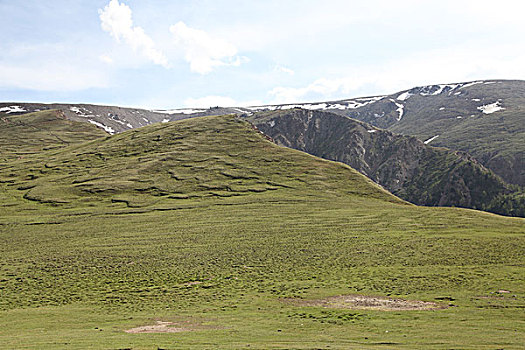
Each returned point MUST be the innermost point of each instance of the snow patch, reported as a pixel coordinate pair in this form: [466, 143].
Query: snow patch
[371, 131]
[491, 108]
[341, 105]
[433, 90]
[476, 99]
[404, 96]
[430, 140]
[262, 108]
[317, 106]
[442, 109]
[165, 120]
[100, 125]
[146, 120]
[399, 109]
[12, 109]
[81, 111]
[118, 121]
[178, 111]
[361, 102]
[272, 123]
[338, 106]
[129, 125]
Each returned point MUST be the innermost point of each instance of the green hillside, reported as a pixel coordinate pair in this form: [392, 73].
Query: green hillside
[166, 163]
[234, 242]
[31, 133]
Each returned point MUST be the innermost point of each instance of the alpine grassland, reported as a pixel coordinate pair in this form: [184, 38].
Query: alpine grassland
[203, 234]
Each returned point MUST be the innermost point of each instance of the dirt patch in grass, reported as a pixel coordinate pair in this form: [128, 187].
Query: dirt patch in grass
[169, 327]
[160, 327]
[364, 302]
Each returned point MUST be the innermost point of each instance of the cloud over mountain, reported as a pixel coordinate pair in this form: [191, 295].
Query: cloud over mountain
[204, 52]
[116, 19]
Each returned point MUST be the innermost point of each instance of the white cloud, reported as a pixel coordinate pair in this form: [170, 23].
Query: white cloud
[203, 52]
[106, 59]
[116, 19]
[454, 64]
[221, 101]
[282, 69]
[51, 77]
[321, 87]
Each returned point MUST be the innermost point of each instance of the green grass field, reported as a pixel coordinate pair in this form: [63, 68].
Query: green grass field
[205, 224]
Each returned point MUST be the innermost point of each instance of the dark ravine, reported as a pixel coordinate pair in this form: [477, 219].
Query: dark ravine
[404, 165]
[483, 118]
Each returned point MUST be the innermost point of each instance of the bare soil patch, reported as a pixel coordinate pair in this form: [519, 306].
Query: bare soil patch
[365, 302]
[160, 327]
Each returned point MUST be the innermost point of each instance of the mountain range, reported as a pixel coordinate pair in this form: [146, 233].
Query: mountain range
[460, 144]
[404, 165]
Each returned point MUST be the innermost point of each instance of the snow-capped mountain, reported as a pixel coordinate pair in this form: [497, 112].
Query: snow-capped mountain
[483, 118]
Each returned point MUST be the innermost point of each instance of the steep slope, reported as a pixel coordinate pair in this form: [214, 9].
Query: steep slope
[483, 118]
[486, 120]
[208, 231]
[404, 165]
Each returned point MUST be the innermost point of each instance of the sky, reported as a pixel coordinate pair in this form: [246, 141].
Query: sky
[163, 54]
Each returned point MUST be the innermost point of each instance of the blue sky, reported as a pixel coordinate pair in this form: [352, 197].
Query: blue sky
[169, 54]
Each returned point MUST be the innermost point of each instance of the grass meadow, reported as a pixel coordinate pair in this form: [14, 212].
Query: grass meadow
[205, 224]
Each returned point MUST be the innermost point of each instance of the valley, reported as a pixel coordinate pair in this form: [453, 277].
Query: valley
[205, 228]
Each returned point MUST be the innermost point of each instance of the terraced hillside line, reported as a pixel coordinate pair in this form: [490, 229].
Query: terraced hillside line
[163, 164]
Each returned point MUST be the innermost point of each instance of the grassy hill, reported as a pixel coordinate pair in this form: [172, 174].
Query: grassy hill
[166, 163]
[232, 241]
[32, 133]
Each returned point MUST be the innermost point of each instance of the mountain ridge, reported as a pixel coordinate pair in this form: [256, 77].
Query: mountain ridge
[483, 119]
[408, 168]
[452, 115]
